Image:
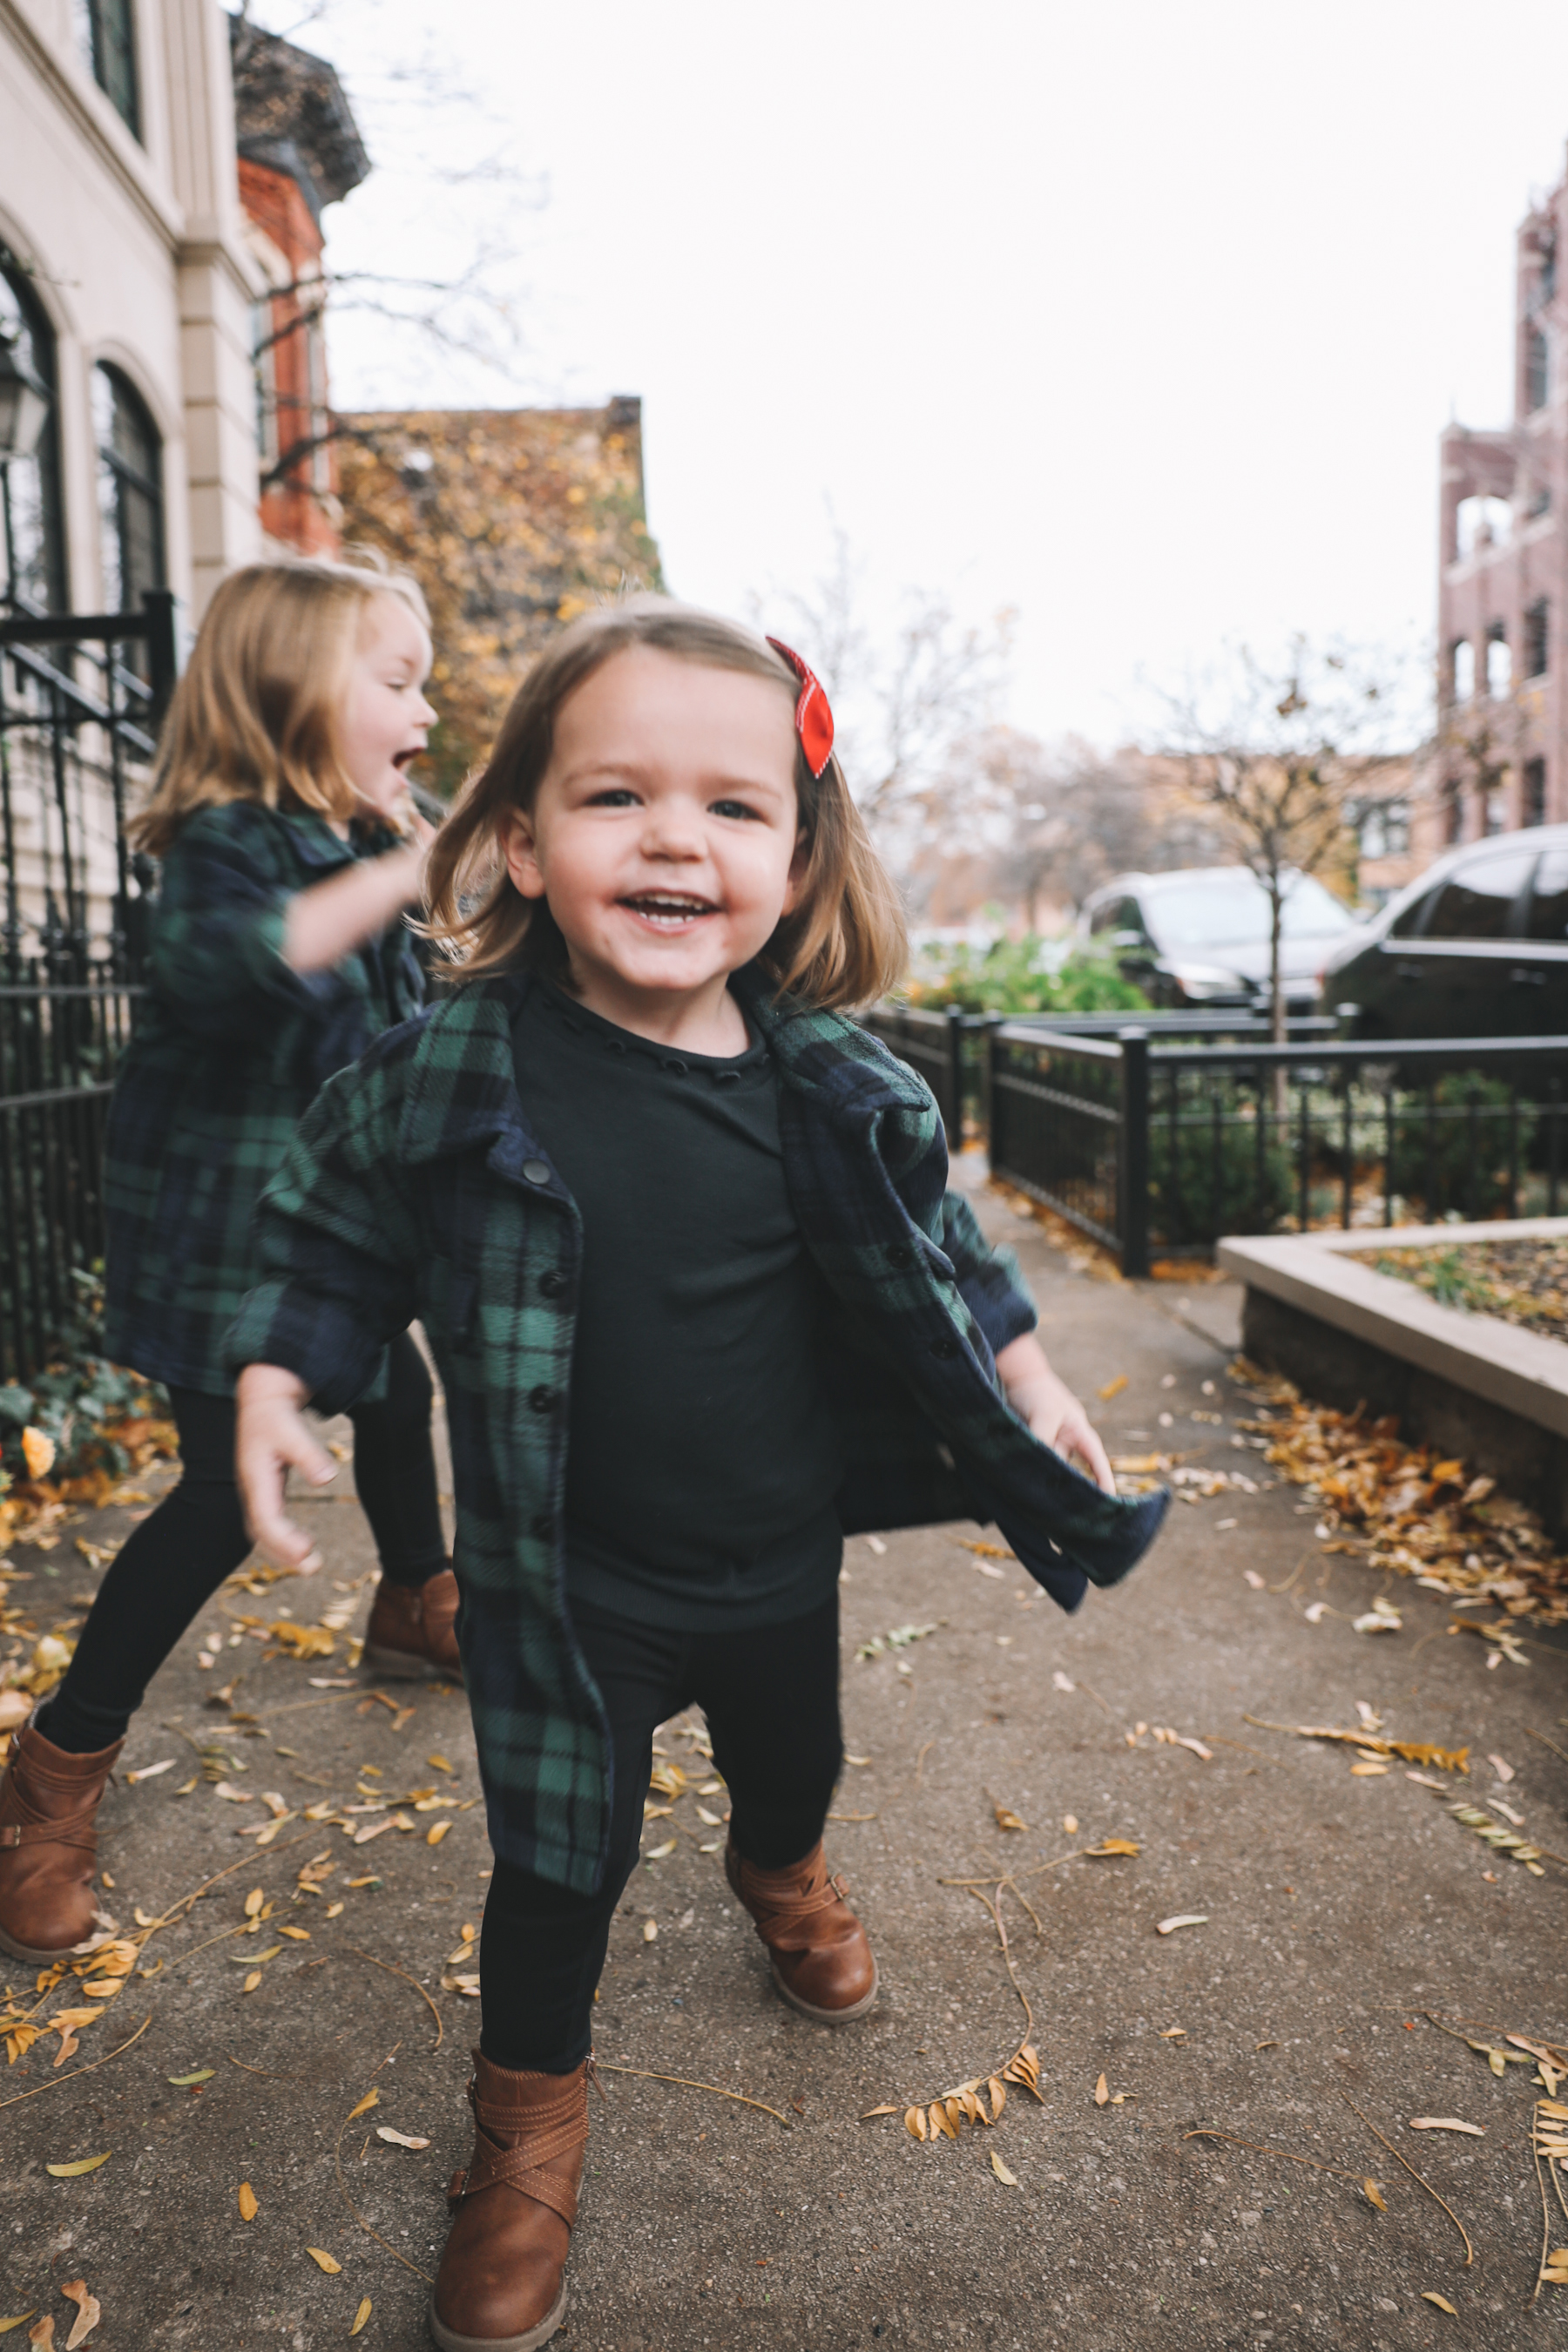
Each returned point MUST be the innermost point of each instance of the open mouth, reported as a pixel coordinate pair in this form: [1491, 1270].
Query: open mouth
[668, 907]
[405, 759]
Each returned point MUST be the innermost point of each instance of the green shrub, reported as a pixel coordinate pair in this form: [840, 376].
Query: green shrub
[1450, 1189]
[1186, 1203]
[1010, 976]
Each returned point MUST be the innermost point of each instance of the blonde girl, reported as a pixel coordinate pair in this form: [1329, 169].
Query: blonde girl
[279, 950]
[679, 1232]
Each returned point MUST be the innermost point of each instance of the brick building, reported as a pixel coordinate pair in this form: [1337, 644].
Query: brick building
[1501, 751]
[299, 150]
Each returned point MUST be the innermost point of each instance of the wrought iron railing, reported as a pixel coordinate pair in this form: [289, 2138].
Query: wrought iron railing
[1157, 1136]
[81, 698]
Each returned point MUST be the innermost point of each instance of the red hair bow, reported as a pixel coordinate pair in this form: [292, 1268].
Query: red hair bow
[813, 719]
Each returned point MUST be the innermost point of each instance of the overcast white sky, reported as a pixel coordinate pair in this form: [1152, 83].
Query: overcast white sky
[1143, 318]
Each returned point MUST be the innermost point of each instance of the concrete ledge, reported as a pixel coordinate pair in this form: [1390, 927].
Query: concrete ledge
[1484, 1390]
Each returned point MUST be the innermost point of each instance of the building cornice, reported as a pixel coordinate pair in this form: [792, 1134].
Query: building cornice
[111, 144]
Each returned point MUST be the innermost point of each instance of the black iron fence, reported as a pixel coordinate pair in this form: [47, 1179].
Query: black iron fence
[1157, 1136]
[81, 697]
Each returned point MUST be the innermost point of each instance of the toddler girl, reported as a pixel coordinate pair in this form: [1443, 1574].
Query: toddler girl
[677, 1231]
[278, 952]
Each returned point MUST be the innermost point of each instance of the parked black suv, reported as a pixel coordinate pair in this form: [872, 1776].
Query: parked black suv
[1477, 947]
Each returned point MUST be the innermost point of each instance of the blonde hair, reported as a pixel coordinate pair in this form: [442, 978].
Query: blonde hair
[842, 944]
[253, 716]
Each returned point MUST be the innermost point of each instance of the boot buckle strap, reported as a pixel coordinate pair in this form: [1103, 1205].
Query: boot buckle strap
[60, 1832]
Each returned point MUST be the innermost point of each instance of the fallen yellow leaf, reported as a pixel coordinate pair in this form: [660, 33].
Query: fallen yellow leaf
[1008, 2179]
[1102, 2092]
[371, 2099]
[397, 2138]
[20, 2321]
[1109, 1847]
[37, 1453]
[251, 1981]
[1442, 2301]
[650, 1931]
[1374, 2195]
[440, 1763]
[361, 2316]
[915, 2122]
[88, 2311]
[245, 2197]
[323, 2262]
[1113, 1388]
[1445, 2123]
[432, 1837]
[254, 1901]
[1005, 1818]
[83, 2164]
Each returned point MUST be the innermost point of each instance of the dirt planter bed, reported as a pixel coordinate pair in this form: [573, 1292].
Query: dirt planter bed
[1489, 1392]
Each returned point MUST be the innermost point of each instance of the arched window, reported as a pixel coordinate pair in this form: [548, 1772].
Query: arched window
[32, 536]
[129, 492]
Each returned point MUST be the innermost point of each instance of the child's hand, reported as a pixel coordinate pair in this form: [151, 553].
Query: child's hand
[271, 1435]
[1051, 1409]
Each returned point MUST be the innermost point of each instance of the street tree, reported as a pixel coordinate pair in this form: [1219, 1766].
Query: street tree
[1274, 752]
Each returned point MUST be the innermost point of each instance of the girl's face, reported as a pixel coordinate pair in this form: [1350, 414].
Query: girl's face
[665, 834]
[384, 719]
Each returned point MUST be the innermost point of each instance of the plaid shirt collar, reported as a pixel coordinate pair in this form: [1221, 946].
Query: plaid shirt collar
[462, 1102]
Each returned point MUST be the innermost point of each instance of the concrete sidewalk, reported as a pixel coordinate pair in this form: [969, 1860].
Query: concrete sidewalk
[1338, 1908]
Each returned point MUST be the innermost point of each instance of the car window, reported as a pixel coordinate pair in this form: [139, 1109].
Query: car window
[1549, 899]
[1477, 901]
[1104, 917]
[1232, 911]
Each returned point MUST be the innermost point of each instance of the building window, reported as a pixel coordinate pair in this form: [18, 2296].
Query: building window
[1532, 794]
[1499, 661]
[1537, 368]
[32, 530]
[129, 492]
[1382, 828]
[106, 31]
[1536, 638]
[1462, 655]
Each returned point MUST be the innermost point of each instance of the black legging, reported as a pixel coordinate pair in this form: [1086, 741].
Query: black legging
[170, 1566]
[771, 1697]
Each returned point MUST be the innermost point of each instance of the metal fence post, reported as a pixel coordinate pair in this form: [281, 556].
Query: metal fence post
[162, 651]
[1134, 1189]
[952, 1110]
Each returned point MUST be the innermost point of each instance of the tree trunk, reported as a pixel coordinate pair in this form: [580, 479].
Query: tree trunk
[1277, 991]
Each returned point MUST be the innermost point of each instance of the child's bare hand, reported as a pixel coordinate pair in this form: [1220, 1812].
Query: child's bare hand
[271, 1437]
[1051, 1409]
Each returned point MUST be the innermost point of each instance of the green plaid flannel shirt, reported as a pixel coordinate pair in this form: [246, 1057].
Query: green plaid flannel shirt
[414, 1187]
[230, 1046]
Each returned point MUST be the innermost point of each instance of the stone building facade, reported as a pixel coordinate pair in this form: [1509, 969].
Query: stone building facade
[142, 227]
[1500, 756]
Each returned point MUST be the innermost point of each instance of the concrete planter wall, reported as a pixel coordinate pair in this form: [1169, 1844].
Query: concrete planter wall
[1483, 1390]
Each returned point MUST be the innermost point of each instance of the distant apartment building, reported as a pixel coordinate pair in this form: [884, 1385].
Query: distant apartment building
[1501, 751]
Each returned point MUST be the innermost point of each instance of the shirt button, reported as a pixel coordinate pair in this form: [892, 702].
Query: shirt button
[536, 1171]
[554, 1283]
[542, 1400]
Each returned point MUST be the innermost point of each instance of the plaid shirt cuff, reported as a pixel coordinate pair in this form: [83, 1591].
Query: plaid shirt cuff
[319, 1339]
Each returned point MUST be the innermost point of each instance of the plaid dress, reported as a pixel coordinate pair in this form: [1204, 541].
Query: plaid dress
[414, 1187]
[230, 1046]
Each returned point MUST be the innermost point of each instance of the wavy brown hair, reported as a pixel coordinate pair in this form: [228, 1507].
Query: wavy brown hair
[842, 944]
[253, 716]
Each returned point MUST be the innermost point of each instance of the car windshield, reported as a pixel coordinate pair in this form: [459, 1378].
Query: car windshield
[1231, 910]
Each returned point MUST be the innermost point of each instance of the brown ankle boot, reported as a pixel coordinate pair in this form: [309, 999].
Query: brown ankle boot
[822, 1961]
[499, 2287]
[48, 1803]
[412, 1632]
